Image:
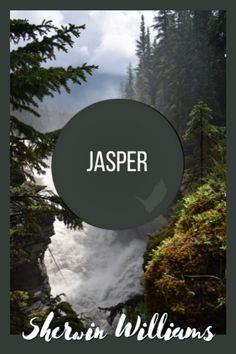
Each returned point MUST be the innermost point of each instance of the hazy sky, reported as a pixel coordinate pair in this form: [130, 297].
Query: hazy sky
[108, 40]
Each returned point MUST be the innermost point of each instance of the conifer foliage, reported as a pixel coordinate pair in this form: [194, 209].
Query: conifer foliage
[205, 143]
[31, 81]
[33, 208]
[181, 73]
[183, 64]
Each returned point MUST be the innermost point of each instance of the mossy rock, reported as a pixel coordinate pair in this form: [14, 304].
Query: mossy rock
[186, 271]
[156, 239]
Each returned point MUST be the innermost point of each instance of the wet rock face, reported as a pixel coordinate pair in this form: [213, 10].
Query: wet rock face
[16, 176]
[28, 273]
[31, 228]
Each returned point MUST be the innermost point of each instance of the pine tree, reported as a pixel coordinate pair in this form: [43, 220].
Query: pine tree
[143, 52]
[141, 42]
[177, 62]
[129, 87]
[184, 64]
[122, 90]
[161, 24]
[30, 82]
[164, 25]
[217, 43]
[205, 141]
[202, 59]
[150, 84]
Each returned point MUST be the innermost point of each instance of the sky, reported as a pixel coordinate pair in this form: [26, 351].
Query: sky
[108, 41]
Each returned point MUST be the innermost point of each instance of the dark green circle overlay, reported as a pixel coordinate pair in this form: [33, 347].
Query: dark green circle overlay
[148, 166]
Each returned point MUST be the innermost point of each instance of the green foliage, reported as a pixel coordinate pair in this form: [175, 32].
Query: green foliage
[133, 307]
[127, 88]
[205, 144]
[134, 310]
[156, 239]
[184, 64]
[185, 274]
[141, 44]
[63, 312]
[143, 72]
[29, 197]
[19, 317]
[33, 207]
[29, 149]
[29, 79]
[163, 23]
[139, 82]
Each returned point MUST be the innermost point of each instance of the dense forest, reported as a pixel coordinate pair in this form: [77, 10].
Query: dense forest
[182, 73]
[184, 64]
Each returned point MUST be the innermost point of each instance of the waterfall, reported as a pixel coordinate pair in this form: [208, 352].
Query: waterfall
[95, 267]
[99, 269]
[92, 267]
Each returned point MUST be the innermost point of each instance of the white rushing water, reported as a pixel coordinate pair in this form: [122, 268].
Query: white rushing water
[92, 267]
[95, 267]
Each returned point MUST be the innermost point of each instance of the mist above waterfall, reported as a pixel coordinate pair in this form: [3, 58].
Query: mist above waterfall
[56, 111]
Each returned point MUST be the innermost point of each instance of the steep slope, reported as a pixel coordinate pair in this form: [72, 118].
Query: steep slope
[185, 264]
